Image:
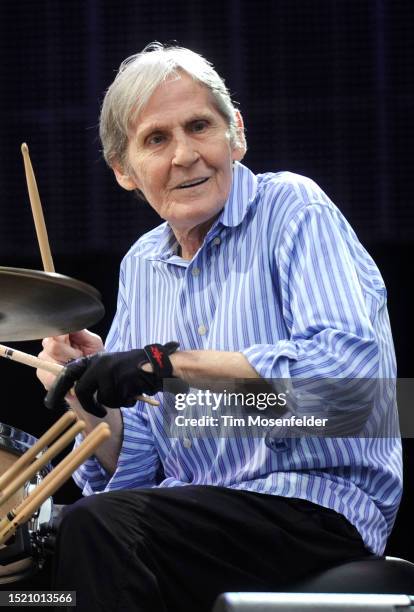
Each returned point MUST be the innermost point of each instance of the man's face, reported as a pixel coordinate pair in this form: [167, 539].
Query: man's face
[180, 156]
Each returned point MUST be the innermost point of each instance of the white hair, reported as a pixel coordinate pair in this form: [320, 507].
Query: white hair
[138, 77]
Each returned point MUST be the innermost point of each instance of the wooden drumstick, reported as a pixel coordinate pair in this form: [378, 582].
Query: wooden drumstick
[30, 360]
[37, 212]
[52, 482]
[27, 474]
[30, 455]
[4, 522]
[50, 366]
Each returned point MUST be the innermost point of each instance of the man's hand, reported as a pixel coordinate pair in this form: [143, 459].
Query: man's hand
[61, 349]
[113, 379]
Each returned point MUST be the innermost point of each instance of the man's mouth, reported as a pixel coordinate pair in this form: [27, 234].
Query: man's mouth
[192, 183]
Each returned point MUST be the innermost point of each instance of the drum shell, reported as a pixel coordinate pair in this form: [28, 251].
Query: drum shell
[7, 459]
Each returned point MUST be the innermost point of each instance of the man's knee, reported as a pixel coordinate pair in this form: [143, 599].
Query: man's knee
[119, 514]
[83, 514]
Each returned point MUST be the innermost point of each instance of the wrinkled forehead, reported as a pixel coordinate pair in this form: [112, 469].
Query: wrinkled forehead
[179, 92]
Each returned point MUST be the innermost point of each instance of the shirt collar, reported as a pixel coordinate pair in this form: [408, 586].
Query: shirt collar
[242, 195]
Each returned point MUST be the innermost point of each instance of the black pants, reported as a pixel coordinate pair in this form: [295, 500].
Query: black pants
[177, 549]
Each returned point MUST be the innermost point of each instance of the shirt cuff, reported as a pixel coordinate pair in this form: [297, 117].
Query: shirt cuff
[271, 360]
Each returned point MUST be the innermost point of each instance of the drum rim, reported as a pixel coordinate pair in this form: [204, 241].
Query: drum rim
[17, 441]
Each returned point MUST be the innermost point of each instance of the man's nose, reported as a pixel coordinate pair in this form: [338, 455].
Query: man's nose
[185, 151]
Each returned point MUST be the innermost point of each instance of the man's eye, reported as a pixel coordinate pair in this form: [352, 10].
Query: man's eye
[155, 139]
[199, 126]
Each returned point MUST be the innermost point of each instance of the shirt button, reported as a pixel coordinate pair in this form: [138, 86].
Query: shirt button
[216, 241]
[202, 330]
[187, 443]
[195, 271]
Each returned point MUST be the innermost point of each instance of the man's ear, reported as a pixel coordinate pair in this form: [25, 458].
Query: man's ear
[240, 147]
[124, 179]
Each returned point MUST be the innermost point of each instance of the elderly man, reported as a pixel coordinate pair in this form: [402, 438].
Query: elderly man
[256, 277]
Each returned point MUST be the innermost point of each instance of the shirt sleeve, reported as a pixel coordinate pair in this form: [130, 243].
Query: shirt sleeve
[138, 462]
[327, 310]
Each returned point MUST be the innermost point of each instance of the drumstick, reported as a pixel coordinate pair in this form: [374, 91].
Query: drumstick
[37, 212]
[30, 360]
[52, 482]
[43, 460]
[69, 459]
[26, 459]
[49, 366]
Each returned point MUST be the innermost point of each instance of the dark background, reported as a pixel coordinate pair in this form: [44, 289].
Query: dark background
[326, 90]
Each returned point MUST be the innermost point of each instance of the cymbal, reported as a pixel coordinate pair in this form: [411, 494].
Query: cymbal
[36, 304]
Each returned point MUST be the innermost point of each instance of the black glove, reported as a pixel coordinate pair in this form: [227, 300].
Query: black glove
[113, 379]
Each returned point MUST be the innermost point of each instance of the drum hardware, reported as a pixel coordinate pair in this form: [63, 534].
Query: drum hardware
[45, 536]
[40, 525]
[33, 543]
[19, 558]
[29, 548]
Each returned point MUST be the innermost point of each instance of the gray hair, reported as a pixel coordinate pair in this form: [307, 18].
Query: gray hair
[138, 77]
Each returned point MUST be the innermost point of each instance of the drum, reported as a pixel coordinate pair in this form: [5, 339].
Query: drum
[25, 552]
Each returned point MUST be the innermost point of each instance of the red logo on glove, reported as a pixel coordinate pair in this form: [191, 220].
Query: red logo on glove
[156, 353]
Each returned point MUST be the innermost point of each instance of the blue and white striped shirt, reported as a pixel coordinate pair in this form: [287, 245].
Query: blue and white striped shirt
[282, 278]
